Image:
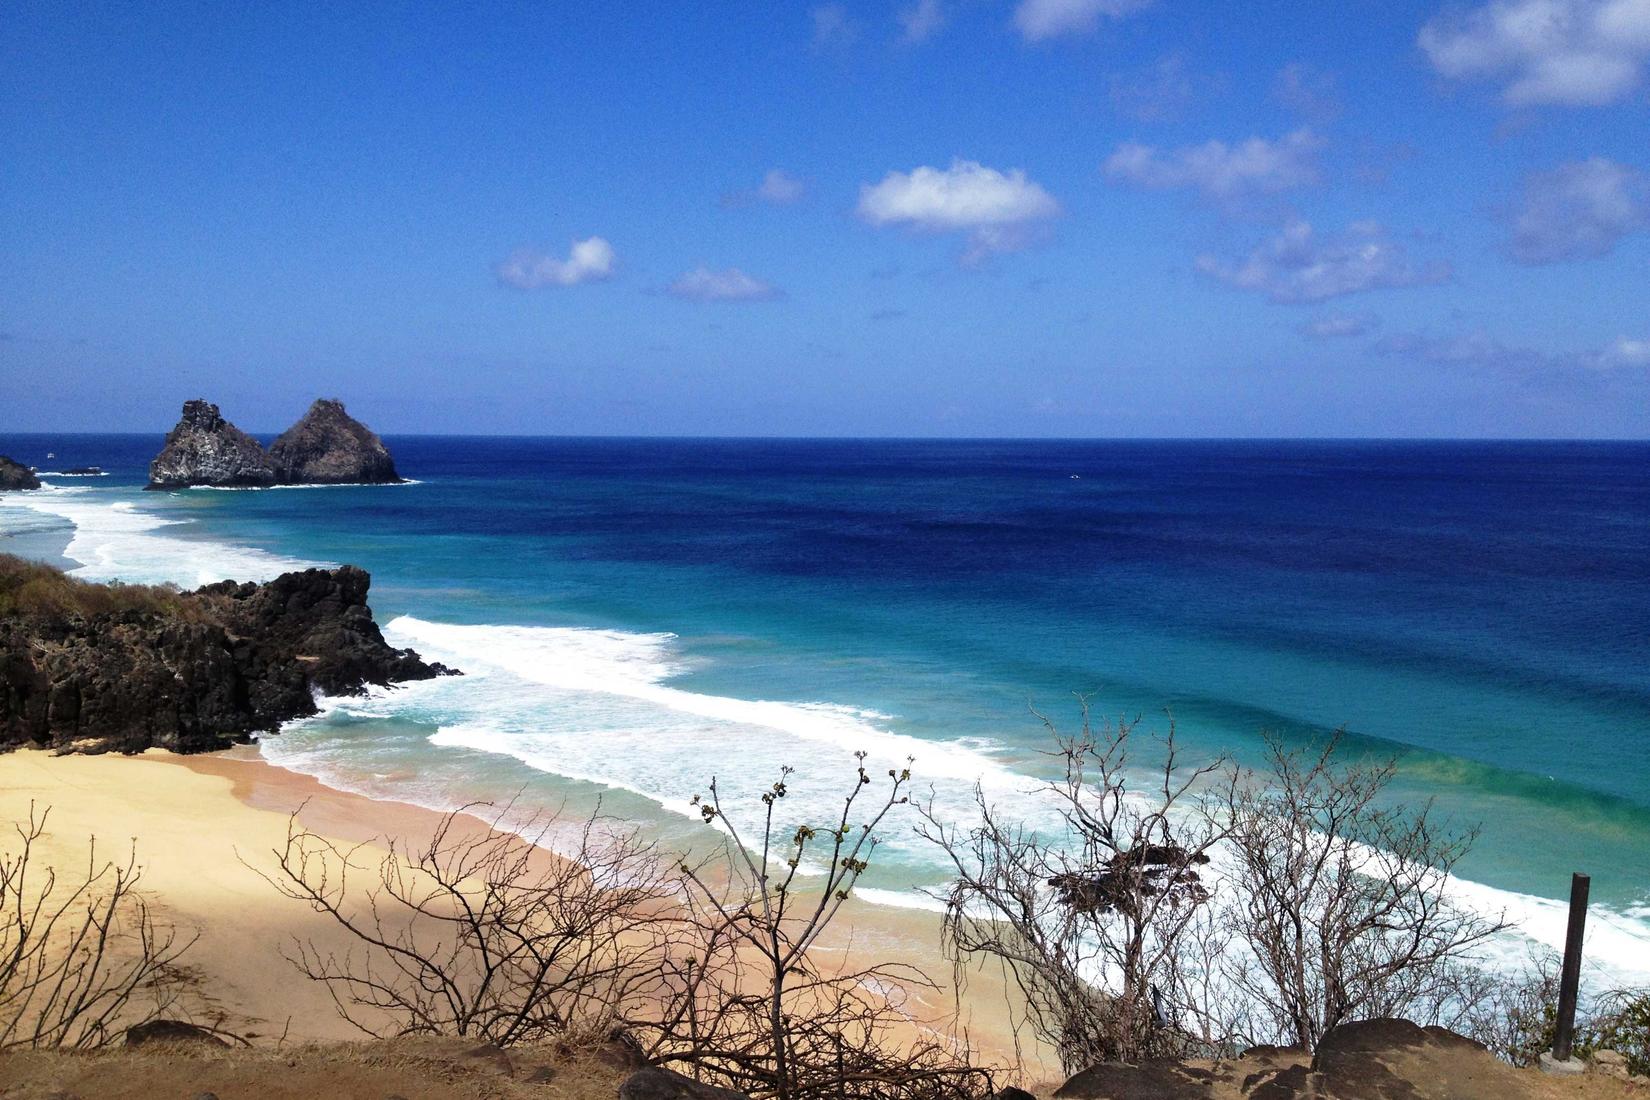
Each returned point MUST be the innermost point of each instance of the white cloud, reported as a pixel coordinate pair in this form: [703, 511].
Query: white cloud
[1042, 19]
[1483, 351]
[1299, 265]
[1627, 352]
[920, 20]
[1567, 52]
[833, 27]
[1307, 90]
[589, 260]
[1335, 326]
[1154, 94]
[729, 285]
[1578, 211]
[1221, 171]
[998, 210]
[780, 187]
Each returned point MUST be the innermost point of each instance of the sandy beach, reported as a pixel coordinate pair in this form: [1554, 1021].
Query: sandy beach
[206, 828]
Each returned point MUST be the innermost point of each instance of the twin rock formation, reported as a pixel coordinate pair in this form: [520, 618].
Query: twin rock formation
[326, 447]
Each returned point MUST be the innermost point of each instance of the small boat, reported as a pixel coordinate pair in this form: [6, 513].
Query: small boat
[51, 454]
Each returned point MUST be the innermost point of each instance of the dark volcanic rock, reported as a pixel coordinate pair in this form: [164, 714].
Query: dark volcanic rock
[206, 449]
[657, 1083]
[15, 475]
[1156, 1079]
[1383, 1059]
[171, 1032]
[204, 671]
[330, 447]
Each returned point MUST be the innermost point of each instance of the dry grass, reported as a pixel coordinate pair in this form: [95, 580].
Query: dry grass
[33, 590]
[414, 1069]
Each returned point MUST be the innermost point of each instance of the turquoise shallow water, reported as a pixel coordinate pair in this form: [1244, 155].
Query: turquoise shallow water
[638, 615]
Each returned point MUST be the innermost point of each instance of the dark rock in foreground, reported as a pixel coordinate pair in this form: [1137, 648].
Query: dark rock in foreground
[15, 475]
[1382, 1059]
[657, 1083]
[206, 449]
[330, 447]
[99, 668]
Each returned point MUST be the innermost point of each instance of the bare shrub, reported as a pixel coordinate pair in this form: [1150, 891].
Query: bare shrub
[1342, 899]
[1515, 1015]
[1105, 930]
[82, 958]
[481, 932]
[752, 1008]
[1620, 1021]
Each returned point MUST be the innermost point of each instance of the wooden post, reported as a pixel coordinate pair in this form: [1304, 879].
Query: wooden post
[1570, 980]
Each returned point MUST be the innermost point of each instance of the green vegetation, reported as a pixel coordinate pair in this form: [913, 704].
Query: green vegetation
[33, 590]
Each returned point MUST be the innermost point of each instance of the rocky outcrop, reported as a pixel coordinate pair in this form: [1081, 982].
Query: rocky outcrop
[91, 668]
[1382, 1059]
[206, 449]
[658, 1083]
[330, 447]
[15, 475]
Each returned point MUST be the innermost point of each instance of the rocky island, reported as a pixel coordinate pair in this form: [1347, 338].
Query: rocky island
[97, 668]
[330, 447]
[326, 447]
[206, 449]
[15, 475]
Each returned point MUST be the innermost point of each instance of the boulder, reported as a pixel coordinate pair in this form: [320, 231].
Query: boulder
[330, 447]
[171, 1032]
[206, 449]
[1154, 1079]
[15, 475]
[657, 1083]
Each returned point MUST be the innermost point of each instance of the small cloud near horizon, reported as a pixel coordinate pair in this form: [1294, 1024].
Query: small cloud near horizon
[997, 211]
[1301, 265]
[1220, 171]
[777, 188]
[1336, 326]
[704, 284]
[1577, 211]
[589, 260]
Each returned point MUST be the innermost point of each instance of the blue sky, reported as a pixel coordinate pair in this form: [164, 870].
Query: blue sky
[918, 217]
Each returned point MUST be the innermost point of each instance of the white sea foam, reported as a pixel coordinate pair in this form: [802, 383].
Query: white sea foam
[273, 488]
[119, 541]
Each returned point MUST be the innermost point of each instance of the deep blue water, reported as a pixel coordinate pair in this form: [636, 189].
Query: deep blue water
[1480, 609]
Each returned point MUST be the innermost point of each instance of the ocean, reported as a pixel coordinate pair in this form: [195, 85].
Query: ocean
[637, 616]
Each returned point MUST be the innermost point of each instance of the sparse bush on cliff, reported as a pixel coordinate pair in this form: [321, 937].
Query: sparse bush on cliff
[1620, 1021]
[483, 933]
[1341, 900]
[1109, 937]
[1188, 909]
[82, 956]
[753, 1008]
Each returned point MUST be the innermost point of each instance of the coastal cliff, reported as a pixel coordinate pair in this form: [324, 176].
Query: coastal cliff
[98, 668]
[330, 447]
[206, 449]
[15, 475]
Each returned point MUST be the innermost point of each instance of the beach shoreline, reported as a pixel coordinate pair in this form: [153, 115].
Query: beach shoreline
[206, 828]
